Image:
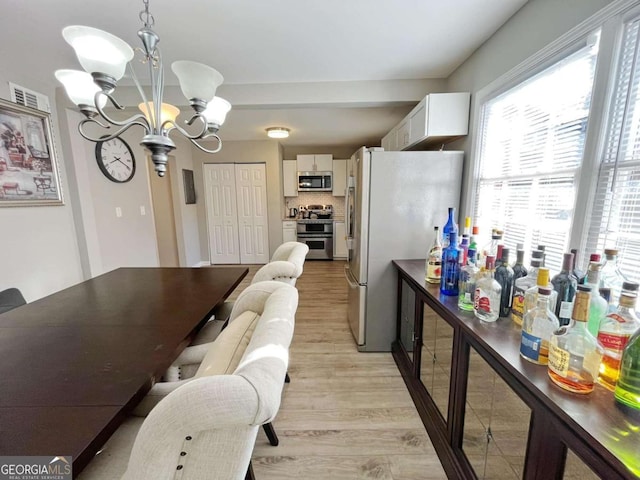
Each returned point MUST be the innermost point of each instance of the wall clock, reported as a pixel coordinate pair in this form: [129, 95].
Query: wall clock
[116, 160]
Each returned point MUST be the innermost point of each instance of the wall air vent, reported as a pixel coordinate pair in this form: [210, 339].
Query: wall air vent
[29, 98]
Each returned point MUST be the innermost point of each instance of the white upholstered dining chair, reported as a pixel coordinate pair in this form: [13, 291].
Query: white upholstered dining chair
[207, 426]
[286, 265]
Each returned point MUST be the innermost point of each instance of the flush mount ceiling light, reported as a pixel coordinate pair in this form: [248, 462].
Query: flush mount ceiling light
[105, 58]
[278, 132]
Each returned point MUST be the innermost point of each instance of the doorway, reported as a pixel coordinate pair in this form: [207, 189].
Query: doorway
[164, 217]
[236, 204]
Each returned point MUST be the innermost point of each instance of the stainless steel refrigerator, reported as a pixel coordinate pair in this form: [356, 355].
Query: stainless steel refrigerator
[393, 201]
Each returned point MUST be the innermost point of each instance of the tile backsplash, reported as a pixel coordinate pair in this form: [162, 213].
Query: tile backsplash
[308, 198]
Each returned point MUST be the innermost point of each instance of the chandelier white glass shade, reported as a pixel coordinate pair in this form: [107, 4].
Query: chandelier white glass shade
[105, 59]
[278, 132]
[80, 87]
[167, 112]
[216, 111]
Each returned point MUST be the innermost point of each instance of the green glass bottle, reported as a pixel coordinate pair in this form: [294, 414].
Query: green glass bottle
[627, 390]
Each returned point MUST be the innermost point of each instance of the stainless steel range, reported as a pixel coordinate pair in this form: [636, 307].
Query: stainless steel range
[315, 229]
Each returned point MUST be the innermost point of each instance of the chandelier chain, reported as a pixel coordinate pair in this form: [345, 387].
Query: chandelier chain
[145, 16]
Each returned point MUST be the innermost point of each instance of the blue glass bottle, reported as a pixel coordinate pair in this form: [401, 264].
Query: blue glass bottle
[450, 266]
[449, 227]
[504, 276]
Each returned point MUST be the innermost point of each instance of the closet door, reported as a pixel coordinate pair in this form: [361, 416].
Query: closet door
[251, 191]
[222, 215]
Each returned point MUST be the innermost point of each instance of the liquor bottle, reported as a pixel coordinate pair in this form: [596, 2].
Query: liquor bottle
[599, 307]
[627, 391]
[520, 287]
[475, 231]
[576, 272]
[606, 294]
[464, 248]
[491, 248]
[630, 288]
[486, 302]
[537, 327]
[610, 275]
[565, 285]
[467, 282]
[614, 334]
[531, 295]
[450, 266]
[575, 354]
[499, 254]
[539, 254]
[594, 257]
[542, 249]
[450, 226]
[519, 270]
[504, 276]
[467, 226]
[434, 259]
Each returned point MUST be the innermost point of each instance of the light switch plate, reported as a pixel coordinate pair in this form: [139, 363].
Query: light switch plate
[142, 210]
[118, 212]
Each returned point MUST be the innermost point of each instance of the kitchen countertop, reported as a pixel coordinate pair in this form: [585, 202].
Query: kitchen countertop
[336, 218]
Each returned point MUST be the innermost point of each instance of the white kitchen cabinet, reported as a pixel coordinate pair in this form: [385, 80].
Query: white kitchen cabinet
[324, 162]
[438, 118]
[339, 240]
[339, 178]
[403, 134]
[290, 178]
[289, 231]
[439, 115]
[315, 163]
[390, 140]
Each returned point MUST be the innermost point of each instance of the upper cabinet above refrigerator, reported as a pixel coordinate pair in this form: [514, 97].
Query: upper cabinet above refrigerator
[438, 118]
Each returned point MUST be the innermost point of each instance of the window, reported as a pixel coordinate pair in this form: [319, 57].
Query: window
[615, 218]
[532, 141]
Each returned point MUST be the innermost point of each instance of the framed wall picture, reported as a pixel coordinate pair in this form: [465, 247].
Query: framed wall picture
[189, 187]
[28, 167]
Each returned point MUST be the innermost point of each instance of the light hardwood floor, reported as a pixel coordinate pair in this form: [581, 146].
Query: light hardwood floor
[345, 414]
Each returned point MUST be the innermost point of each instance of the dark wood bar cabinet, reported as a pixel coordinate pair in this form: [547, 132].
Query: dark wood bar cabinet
[491, 414]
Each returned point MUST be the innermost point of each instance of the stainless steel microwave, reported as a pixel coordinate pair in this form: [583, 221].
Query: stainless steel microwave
[315, 181]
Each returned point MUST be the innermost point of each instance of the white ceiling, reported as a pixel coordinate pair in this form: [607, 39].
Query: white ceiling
[283, 41]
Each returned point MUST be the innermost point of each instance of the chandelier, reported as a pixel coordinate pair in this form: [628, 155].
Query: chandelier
[105, 57]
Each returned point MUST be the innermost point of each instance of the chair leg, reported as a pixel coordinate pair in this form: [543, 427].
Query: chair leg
[271, 434]
[250, 475]
[286, 378]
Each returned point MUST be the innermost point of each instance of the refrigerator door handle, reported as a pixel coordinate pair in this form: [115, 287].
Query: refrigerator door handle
[348, 215]
[347, 275]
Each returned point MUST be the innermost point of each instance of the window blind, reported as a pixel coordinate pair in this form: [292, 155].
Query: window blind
[615, 217]
[531, 145]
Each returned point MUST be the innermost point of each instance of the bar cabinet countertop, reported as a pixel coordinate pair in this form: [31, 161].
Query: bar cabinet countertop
[604, 437]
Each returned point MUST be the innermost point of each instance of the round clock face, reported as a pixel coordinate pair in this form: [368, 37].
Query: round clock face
[116, 160]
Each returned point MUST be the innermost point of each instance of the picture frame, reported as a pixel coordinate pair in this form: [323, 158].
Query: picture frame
[189, 187]
[29, 174]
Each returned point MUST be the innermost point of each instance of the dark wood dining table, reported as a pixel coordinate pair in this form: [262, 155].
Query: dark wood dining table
[75, 363]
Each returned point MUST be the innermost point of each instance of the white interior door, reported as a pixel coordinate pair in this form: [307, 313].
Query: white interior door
[222, 215]
[251, 191]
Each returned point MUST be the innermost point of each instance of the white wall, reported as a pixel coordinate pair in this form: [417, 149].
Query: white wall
[110, 241]
[188, 233]
[535, 25]
[38, 249]
[268, 152]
